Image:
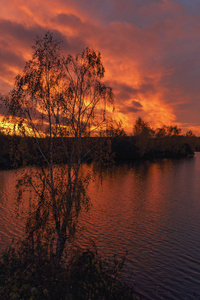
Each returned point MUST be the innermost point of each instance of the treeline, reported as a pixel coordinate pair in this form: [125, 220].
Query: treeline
[140, 147]
[147, 142]
[16, 151]
[142, 128]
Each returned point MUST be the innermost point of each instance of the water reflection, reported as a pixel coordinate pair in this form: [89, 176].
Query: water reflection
[10, 227]
[152, 210]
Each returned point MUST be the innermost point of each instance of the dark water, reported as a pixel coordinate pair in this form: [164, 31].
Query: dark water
[152, 210]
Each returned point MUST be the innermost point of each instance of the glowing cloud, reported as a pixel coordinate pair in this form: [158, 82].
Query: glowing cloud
[150, 50]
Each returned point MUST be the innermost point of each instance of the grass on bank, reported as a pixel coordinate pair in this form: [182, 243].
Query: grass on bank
[25, 274]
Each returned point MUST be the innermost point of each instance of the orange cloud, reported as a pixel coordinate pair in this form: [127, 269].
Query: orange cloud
[150, 50]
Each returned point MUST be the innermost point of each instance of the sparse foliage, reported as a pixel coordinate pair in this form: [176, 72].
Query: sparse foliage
[27, 275]
[190, 133]
[115, 129]
[168, 131]
[142, 128]
[59, 102]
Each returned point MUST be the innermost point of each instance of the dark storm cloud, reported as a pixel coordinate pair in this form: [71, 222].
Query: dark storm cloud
[11, 57]
[125, 92]
[67, 19]
[123, 87]
[26, 36]
[8, 58]
[20, 33]
[136, 104]
[133, 108]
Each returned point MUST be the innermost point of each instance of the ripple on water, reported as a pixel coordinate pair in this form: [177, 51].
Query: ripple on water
[152, 211]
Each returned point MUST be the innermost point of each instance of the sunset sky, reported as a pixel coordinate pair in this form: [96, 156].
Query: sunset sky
[150, 50]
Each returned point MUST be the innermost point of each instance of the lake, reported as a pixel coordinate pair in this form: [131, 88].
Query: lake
[150, 209]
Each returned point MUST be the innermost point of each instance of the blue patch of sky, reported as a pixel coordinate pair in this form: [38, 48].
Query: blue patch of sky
[188, 3]
[191, 5]
[128, 11]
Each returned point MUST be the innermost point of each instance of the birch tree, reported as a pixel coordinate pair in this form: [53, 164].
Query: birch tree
[58, 102]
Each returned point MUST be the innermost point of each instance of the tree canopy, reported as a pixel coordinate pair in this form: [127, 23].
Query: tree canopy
[54, 98]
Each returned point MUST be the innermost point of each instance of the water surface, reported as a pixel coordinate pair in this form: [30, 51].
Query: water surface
[151, 209]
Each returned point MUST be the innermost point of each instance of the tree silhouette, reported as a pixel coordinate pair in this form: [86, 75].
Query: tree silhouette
[59, 102]
[142, 128]
[190, 133]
